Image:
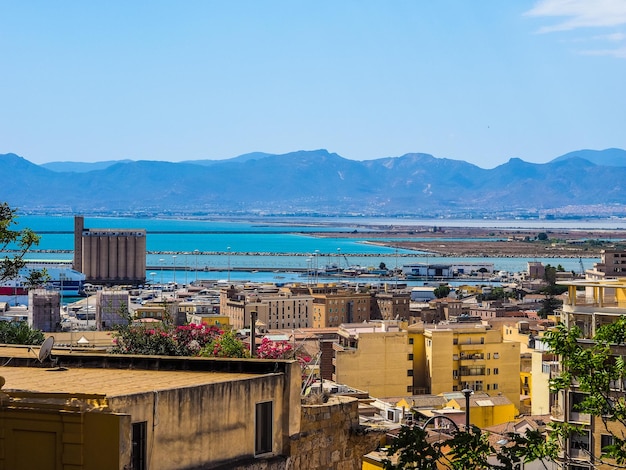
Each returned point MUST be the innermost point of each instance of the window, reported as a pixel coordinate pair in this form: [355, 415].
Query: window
[455, 341]
[139, 440]
[455, 374]
[495, 386]
[410, 357]
[495, 371]
[263, 428]
[410, 340]
[496, 355]
[606, 440]
[488, 355]
[409, 373]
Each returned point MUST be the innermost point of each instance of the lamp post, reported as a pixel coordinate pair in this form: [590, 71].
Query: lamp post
[195, 252]
[174, 257]
[161, 261]
[228, 249]
[467, 392]
[308, 271]
[152, 274]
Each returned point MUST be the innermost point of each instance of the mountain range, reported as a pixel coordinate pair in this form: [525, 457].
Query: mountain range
[583, 182]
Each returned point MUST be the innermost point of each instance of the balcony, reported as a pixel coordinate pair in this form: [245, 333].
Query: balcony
[475, 347]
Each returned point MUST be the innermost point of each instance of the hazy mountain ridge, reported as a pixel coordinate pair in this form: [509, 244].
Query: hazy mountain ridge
[318, 182]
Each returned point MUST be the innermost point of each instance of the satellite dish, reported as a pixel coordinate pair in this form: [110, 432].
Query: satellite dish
[45, 349]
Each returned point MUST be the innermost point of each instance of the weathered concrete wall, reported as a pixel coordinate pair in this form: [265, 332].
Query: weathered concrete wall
[331, 438]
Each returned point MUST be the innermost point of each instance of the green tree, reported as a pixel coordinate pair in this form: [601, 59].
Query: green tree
[466, 449]
[542, 236]
[15, 243]
[595, 367]
[18, 332]
[382, 266]
[226, 345]
[442, 291]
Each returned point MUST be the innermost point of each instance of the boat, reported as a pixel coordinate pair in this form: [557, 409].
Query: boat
[62, 278]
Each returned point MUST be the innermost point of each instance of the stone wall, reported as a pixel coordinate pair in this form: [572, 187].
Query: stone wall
[331, 438]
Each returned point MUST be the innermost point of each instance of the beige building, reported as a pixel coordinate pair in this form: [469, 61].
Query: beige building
[392, 305]
[375, 357]
[274, 310]
[333, 306]
[459, 356]
[110, 256]
[105, 412]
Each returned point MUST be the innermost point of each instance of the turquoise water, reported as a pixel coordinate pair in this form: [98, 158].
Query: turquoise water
[266, 245]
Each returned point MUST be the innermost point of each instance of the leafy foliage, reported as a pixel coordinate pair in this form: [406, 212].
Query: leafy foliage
[18, 242]
[163, 339]
[226, 345]
[269, 349]
[596, 367]
[441, 291]
[465, 449]
[18, 332]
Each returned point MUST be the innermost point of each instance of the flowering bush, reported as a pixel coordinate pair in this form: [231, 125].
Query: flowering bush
[163, 340]
[226, 345]
[269, 349]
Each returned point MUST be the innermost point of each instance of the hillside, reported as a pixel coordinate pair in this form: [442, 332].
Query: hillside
[322, 183]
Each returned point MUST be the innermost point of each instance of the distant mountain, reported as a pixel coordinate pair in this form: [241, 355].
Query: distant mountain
[608, 157]
[321, 183]
[80, 167]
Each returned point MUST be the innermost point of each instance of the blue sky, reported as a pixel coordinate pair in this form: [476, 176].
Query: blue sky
[481, 81]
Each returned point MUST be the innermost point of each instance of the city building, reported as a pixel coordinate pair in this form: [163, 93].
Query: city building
[589, 304]
[392, 305]
[459, 356]
[110, 256]
[333, 306]
[101, 412]
[274, 310]
[45, 310]
[374, 356]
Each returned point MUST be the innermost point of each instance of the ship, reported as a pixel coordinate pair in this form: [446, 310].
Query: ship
[61, 277]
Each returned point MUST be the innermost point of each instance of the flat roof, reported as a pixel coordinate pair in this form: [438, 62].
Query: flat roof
[109, 382]
[116, 375]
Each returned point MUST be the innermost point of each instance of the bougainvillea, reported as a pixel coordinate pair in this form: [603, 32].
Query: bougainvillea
[164, 340]
[269, 349]
[226, 345]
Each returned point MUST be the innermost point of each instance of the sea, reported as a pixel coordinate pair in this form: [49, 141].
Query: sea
[266, 249]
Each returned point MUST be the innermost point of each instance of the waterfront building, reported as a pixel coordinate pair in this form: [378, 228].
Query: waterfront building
[612, 264]
[110, 256]
[374, 356]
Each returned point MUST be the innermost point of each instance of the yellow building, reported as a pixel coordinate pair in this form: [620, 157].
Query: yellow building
[374, 357]
[459, 356]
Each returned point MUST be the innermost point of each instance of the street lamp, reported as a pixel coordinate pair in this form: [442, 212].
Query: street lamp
[195, 252]
[161, 261]
[228, 249]
[174, 257]
[467, 392]
[152, 274]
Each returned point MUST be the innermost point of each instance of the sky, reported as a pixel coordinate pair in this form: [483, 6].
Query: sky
[481, 81]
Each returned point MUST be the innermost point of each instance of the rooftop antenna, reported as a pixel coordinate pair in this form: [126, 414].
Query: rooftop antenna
[46, 349]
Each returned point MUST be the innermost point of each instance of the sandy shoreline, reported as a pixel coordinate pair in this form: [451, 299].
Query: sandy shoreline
[485, 242]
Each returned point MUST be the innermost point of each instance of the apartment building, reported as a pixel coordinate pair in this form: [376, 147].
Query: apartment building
[274, 310]
[458, 356]
[375, 357]
[333, 306]
[590, 304]
[391, 305]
